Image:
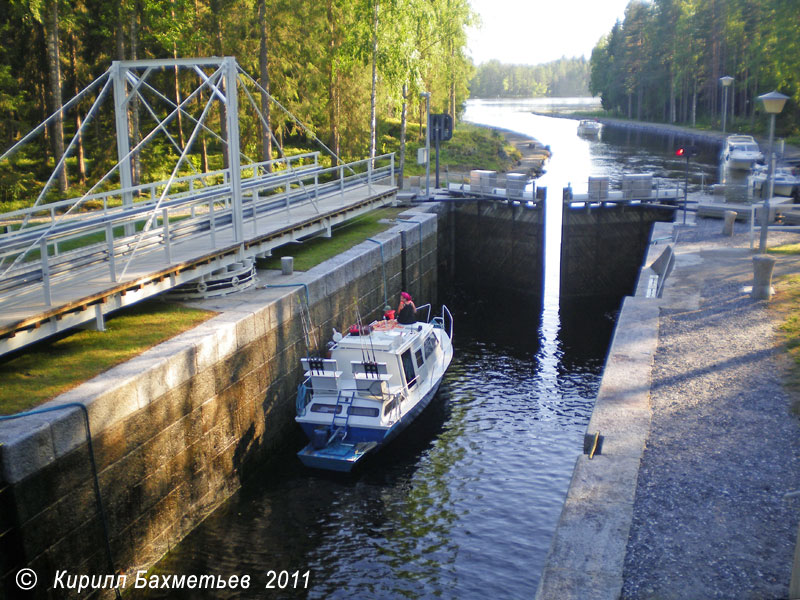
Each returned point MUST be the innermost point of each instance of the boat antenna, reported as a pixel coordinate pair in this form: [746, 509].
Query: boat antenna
[361, 339]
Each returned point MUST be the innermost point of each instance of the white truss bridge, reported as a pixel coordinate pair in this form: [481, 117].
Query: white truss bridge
[67, 264]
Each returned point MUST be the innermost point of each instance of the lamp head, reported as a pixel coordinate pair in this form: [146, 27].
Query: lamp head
[726, 81]
[773, 102]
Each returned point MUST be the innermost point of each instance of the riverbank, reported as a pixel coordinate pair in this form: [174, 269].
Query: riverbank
[699, 441]
[529, 159]
[683, 132]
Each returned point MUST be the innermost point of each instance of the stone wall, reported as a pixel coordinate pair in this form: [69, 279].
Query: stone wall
[177, 429]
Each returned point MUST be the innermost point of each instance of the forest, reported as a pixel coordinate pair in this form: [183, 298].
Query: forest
[665, 60]
[562, 78]
[342, 67]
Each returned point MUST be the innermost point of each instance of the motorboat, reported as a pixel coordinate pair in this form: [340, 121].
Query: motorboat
[377, 380]
[786, 180]
[741, 153]
[589, 127]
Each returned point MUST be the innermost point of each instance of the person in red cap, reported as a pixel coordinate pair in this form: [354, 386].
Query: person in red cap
[406, 311]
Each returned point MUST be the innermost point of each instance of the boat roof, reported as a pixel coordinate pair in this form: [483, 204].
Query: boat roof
[386, 336]
[740, 139]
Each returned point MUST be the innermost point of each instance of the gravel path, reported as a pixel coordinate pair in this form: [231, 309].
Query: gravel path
[710, 519]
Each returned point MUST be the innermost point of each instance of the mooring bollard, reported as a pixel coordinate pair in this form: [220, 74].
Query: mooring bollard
[762, 276]
[730, 219]
[287, 265]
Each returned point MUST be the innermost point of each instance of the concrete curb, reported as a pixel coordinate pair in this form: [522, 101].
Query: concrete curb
[587, 552]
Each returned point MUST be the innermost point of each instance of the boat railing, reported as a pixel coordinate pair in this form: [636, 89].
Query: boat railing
[427, 309]
[445, 322]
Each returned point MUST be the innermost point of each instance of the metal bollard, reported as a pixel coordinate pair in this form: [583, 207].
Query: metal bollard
[287, 265]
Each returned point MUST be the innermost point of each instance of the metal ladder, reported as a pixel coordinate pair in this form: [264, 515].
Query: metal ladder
[340, 421]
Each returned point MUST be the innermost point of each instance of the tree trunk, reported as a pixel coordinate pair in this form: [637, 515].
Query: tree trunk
[672, 108]
[694, 103]
[373, 125]
[54, 80]
[73, 61]
[403, 137]
[119, 32]
[263, 67]
[223, 125]
[333, 82]
[181, 140]
[452, 97]
[134, 103]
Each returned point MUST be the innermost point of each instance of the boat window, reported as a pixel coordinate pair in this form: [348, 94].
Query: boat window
[390, 406]
[363, 411]
[408, 368]
[430, 344]
[418, 355]
[326, 408]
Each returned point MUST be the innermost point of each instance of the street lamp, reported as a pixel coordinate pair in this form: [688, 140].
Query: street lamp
[773, 104]
[427, 96]
[726, 83]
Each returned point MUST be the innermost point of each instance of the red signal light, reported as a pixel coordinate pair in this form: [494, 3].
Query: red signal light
[680, 152]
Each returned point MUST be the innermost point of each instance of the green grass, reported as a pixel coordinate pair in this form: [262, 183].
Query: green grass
[785, 305]
[785, 250]
[319, 249]
[51, 367]
[472, 147]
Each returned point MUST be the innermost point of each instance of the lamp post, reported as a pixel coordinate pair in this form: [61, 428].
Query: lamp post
[726, 83]
[427, 96]
[773, 104]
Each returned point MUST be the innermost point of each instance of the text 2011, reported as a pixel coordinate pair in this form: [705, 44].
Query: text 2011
[281, 580]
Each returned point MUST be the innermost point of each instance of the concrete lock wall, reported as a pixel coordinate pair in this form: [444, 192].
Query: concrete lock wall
[602, 248]
[499, 246]
[177, 429]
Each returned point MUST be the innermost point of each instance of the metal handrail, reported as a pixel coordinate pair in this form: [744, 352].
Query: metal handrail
[266, 194]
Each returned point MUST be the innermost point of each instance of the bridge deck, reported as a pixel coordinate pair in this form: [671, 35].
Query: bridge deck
[81, 297]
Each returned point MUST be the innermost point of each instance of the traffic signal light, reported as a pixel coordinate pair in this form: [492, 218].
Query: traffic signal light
[680, 152]
[686, 151]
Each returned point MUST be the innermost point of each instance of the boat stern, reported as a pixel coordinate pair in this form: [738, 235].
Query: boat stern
[336, 456]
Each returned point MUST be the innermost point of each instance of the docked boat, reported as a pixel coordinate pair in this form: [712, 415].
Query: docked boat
[377, 380]
[741, 153]
[589, 128]
[786, 180]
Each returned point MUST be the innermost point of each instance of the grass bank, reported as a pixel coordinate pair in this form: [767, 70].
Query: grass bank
[785, 305]
[319, 249]
[51, 367]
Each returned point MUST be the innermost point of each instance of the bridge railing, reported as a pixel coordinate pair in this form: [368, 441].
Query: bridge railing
[38, 254]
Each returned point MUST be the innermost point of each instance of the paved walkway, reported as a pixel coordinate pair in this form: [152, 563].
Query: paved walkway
[710, 519]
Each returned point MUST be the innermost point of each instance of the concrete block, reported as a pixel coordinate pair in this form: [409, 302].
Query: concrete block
[163, 369]
[566, 584]
[591, 537]
[27, 446]
[604, 479]
[224, 335]
[246, 331]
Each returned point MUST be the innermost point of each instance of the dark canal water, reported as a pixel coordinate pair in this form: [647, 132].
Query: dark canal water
[464, 503]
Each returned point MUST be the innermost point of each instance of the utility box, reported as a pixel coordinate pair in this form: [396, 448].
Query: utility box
[637, 187]
[482, 182]
[515, 184]
[422, 156]
[598, 188]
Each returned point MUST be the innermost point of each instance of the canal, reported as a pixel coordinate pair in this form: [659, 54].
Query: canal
[464, 503]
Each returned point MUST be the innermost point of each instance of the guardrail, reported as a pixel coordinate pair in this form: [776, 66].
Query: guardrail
[68, 242]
